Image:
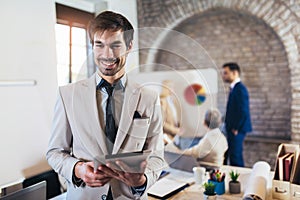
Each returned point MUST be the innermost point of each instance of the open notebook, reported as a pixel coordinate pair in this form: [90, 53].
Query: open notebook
[165, 188]
[170, 184]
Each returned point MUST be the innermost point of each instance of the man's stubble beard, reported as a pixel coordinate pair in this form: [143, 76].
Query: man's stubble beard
[119, 66]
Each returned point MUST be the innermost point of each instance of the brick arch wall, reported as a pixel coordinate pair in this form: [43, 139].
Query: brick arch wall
[280, 15]
[247, 40]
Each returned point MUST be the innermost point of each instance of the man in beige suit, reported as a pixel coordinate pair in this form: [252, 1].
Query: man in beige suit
[80, 122]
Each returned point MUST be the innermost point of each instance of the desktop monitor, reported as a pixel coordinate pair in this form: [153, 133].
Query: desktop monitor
[34, 192]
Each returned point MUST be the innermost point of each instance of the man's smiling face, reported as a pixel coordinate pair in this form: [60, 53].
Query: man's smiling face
[110, 52]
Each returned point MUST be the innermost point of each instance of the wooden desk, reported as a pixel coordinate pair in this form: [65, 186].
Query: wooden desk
[196, 191]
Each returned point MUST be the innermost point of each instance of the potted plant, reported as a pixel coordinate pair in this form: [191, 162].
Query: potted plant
[234, 184]
[217, 178]
[209, 191]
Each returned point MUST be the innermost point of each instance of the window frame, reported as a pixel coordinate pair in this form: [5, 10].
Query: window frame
[73, 17]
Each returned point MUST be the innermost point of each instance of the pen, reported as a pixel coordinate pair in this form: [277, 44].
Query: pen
[191, 183]
[163, 174]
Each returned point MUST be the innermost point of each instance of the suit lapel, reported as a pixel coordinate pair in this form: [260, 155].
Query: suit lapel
[88, 102]
[131, 99]
[236, 86]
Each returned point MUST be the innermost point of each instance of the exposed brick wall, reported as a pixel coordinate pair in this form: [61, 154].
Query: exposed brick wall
[231, 36]
[263, 36]
[259, 150]
[294, 6]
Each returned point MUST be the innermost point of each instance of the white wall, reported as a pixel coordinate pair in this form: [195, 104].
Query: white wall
[183, 79]
[27, 51]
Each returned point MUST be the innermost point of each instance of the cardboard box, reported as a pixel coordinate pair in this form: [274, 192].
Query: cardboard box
[295, 181]
[295, 192]
[282, 189]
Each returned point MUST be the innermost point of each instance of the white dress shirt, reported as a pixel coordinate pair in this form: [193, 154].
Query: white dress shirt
[237, 80]
[117, 101]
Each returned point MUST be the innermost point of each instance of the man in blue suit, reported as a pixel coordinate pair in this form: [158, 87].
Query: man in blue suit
[237, 119]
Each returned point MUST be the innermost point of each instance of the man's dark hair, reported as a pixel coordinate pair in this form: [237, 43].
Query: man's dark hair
[111, 21]
[233, 67]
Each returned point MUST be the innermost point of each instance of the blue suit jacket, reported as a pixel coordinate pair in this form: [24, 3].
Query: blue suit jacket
[237, 111]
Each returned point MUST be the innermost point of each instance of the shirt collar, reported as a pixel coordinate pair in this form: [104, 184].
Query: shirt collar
[237, 80]
[119, 85]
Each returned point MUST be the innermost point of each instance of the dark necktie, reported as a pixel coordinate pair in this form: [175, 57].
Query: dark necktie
[110, 127]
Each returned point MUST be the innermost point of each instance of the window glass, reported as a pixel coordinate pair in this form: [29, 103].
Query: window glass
[79, 54]
[62, 33]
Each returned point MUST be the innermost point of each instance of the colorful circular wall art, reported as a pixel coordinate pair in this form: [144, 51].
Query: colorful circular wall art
[195, 94]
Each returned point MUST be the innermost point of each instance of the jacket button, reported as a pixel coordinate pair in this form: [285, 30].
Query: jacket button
[103, 197]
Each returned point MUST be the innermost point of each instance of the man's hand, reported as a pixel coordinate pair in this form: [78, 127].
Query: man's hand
[235, 132]
[131, 176]
[85, 171]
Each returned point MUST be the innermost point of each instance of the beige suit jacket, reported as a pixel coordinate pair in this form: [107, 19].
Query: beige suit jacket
[77, 135]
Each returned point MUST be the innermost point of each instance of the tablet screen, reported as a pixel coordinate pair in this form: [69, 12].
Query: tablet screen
[132, 159]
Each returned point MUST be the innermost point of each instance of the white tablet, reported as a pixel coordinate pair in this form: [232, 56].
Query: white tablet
[132, 159]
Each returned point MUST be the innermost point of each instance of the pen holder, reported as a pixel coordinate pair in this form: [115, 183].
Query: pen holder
[219, 187]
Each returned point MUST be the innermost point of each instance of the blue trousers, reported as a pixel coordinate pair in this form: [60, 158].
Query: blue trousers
[235, 149]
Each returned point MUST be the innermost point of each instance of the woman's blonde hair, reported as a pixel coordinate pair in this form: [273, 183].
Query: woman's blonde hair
[166, 88]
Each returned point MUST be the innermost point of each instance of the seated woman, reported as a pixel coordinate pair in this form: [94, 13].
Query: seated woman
[170, 111]
[211, 148]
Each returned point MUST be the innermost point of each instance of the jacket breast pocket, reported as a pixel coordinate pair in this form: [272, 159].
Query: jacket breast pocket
[137, 134]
